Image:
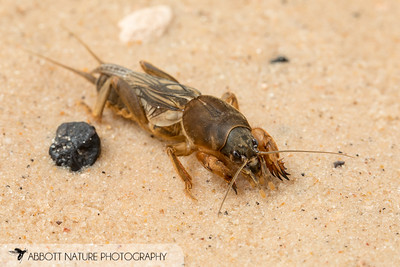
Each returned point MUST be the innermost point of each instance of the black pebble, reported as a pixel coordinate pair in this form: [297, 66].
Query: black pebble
[338, 163]
[76, 145]
[280, 59]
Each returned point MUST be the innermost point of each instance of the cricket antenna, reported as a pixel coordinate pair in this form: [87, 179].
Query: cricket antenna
[302, 151]
[266, 153]
[231, 184]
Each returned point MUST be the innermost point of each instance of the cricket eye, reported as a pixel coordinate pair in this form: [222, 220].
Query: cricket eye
[236, 155]
[255, 143]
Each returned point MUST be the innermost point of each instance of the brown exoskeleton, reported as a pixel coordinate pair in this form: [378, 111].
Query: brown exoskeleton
[214, 128]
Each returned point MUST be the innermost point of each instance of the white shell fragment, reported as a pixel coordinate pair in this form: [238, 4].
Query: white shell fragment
[144, 24]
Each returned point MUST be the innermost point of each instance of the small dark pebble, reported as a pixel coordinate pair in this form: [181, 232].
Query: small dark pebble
[280, 59]
[356, 14]
[76, 145]
[338, 163]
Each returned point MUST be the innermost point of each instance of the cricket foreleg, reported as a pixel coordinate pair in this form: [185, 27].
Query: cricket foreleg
[213, 164]
[273, 163]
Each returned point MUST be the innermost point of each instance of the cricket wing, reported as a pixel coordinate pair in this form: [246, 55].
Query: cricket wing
[163, 100]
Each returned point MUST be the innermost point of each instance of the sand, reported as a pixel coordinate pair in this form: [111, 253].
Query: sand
[338, 92]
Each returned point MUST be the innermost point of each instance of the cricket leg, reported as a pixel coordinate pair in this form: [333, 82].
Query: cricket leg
[101, 99]
[174, 151]
[231, 99]
[130, 100]
[213, 164]
[273, 163]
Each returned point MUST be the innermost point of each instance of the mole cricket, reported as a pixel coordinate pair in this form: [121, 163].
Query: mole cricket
[211, 127]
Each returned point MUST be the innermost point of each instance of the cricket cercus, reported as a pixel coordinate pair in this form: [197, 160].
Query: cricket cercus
[213, 128]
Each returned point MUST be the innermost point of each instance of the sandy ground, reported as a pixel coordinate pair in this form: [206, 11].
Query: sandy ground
[339, 92]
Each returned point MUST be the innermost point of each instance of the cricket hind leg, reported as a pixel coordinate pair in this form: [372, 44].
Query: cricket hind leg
[273, 163]
[131, 101]
[213, 164]
[132, 106]
[104, 85]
